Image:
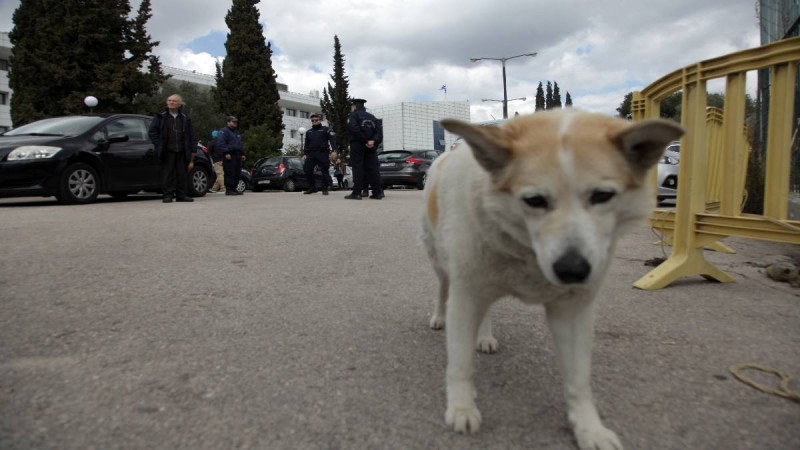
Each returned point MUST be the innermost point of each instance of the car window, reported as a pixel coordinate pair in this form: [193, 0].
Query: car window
[59, 126]
[295, 163]
[274, 161]
[393, 156]
[134, 128]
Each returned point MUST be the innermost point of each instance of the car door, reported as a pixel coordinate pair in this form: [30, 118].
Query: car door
[130, 165]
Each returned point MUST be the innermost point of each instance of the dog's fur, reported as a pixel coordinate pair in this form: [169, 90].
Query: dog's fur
[533, 209]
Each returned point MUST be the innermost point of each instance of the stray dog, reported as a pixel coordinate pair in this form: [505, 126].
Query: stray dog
[533, 209]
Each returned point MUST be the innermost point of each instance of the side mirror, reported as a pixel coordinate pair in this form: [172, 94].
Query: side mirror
[117, 137]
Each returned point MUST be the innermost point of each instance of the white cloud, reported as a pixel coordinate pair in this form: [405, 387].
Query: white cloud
[401, 51]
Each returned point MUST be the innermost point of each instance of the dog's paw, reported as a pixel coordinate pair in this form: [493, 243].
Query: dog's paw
[597, 438]
[465, 419]
[437, 322]
[486, 344]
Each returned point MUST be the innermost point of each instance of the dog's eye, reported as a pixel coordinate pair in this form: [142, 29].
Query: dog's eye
[601, 196]
[536, 201]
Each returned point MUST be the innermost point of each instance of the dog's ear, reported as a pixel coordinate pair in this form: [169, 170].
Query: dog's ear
[643, 143]
[486, 141]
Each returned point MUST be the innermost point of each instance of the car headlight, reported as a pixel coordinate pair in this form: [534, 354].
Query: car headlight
[32, 152]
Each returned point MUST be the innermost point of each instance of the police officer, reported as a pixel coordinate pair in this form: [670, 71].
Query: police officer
[365, 133]
[229, 143]
[319, 140]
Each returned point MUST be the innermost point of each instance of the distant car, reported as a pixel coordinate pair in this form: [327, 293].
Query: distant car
[406, 167]
[347, 180]
[76, 158]
[279, 172]
[668, 172]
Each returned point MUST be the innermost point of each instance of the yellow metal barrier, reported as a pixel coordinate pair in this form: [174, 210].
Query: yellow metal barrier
[709, 174]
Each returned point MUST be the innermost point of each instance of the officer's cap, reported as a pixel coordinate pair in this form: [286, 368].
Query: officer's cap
[315, 116]
[231, 119]
[358, 100]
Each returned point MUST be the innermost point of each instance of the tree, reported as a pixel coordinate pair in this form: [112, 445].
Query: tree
[261, 142]
[548, 99]
[556, 95]
[568, 103]
[246, 86]
[335, 101]
[624, 108]
[67, 50]
[198, 104]
[539, 98]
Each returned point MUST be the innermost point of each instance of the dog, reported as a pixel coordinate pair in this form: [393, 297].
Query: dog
[532, 209]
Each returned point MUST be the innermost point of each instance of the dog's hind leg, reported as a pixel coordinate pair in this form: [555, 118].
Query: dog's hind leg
[572, 326]
[440, 304]
[486, 341]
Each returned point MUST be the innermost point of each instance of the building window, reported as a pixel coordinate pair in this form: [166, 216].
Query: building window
[438, 136]
[305, 114]
[293, 134]
[291, 112]
[3, 98]
[4, 64]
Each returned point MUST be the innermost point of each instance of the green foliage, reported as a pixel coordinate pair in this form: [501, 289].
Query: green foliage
[246, 86]
[292, 150]
[568, 102]
[540, 98]
[335, 101]
[548, 99]
[67, 50]
[556, 95]
[198, 103]
[624, 108]
[260, 141]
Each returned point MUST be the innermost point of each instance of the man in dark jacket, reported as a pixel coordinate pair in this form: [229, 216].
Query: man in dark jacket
[319, 141]
[173, 137]
[365, 133]
[229, 143]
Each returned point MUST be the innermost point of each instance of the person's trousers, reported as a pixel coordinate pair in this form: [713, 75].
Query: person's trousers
[219, 183]
[317, 158]
[233, 170]
[174, 174]
[365, 169]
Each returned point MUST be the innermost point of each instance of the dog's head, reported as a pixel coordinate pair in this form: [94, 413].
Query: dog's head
[568, 182]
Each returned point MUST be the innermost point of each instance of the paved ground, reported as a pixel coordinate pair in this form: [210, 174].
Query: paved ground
[283, 321]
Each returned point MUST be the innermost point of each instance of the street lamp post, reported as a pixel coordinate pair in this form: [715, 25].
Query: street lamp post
[505, 92]
[302, 131]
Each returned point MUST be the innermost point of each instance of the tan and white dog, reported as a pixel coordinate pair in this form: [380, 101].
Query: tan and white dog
[533, 209]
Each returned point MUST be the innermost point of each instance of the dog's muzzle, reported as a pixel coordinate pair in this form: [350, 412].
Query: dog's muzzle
[572, 268]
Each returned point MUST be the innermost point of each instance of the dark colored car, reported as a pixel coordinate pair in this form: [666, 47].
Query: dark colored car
[75, 158]
[201, 175]
[245, 181]
[279, 172]
[406, 167]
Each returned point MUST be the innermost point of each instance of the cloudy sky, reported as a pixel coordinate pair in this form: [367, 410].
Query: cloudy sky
[597, 50]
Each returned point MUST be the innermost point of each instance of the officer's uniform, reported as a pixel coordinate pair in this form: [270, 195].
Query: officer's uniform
[319, 140]
[363, 159]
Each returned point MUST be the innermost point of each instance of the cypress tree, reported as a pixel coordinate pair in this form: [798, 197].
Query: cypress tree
[66, 50]
[548, 100]
[247, 88]
[556, 95]
[540, 98]
[335, 101]
[568, 103]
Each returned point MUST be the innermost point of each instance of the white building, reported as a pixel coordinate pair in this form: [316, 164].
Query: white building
[5, 91]
[410, 126]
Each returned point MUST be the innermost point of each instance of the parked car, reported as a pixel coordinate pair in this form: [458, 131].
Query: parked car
[75, 158]
[201, 175]
[406, 167]
[279, 172]
[245, 181]
[347, 180]
[668, 172]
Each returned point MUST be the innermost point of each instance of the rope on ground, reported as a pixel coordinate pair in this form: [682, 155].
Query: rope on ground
[783, 389]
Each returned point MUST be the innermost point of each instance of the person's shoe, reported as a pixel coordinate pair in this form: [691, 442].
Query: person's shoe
[213, 191]
[353, 197]
[364, 193]
[309, 191]
[167, 200]
[238, 193]
[376, 197]
[324, 192]
[184, 199]
[230, 193]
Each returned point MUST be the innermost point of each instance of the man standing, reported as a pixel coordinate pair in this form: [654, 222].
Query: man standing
[319, 140]
[173, 136]
[365, 133]
[229, 143]
[217, 157]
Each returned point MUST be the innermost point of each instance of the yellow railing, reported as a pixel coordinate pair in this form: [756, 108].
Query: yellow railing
[710, 175]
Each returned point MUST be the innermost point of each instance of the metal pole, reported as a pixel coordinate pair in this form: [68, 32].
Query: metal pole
[505, 92]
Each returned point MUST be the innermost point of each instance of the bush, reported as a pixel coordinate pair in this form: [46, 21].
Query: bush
[260, 142]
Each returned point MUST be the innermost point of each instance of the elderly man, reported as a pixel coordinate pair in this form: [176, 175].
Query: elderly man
[173, 137]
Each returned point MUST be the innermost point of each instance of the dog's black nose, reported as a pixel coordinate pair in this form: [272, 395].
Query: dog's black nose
[572, 268]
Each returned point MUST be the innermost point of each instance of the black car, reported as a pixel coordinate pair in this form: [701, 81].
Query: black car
[245, 181]
[406, 167]
[279, 172]
[75, 158]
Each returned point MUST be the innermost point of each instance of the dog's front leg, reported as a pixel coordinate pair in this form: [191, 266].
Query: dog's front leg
[572, 326]
[464, 314]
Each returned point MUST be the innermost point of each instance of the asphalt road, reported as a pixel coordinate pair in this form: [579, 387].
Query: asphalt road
[284, 321]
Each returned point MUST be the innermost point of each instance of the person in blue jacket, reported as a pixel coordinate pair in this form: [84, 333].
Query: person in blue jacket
[319, 142]
[229, 144]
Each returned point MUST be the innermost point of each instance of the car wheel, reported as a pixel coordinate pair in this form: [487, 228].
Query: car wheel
[289, 185]
[198, 181]
[241, 186]
[421, 182]
[79, 184]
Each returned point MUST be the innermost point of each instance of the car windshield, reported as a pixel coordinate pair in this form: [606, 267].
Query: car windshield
[393, 156]
[274, 161]
[58, 126]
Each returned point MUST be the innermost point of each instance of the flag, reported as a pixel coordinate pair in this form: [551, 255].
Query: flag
[443, 88]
